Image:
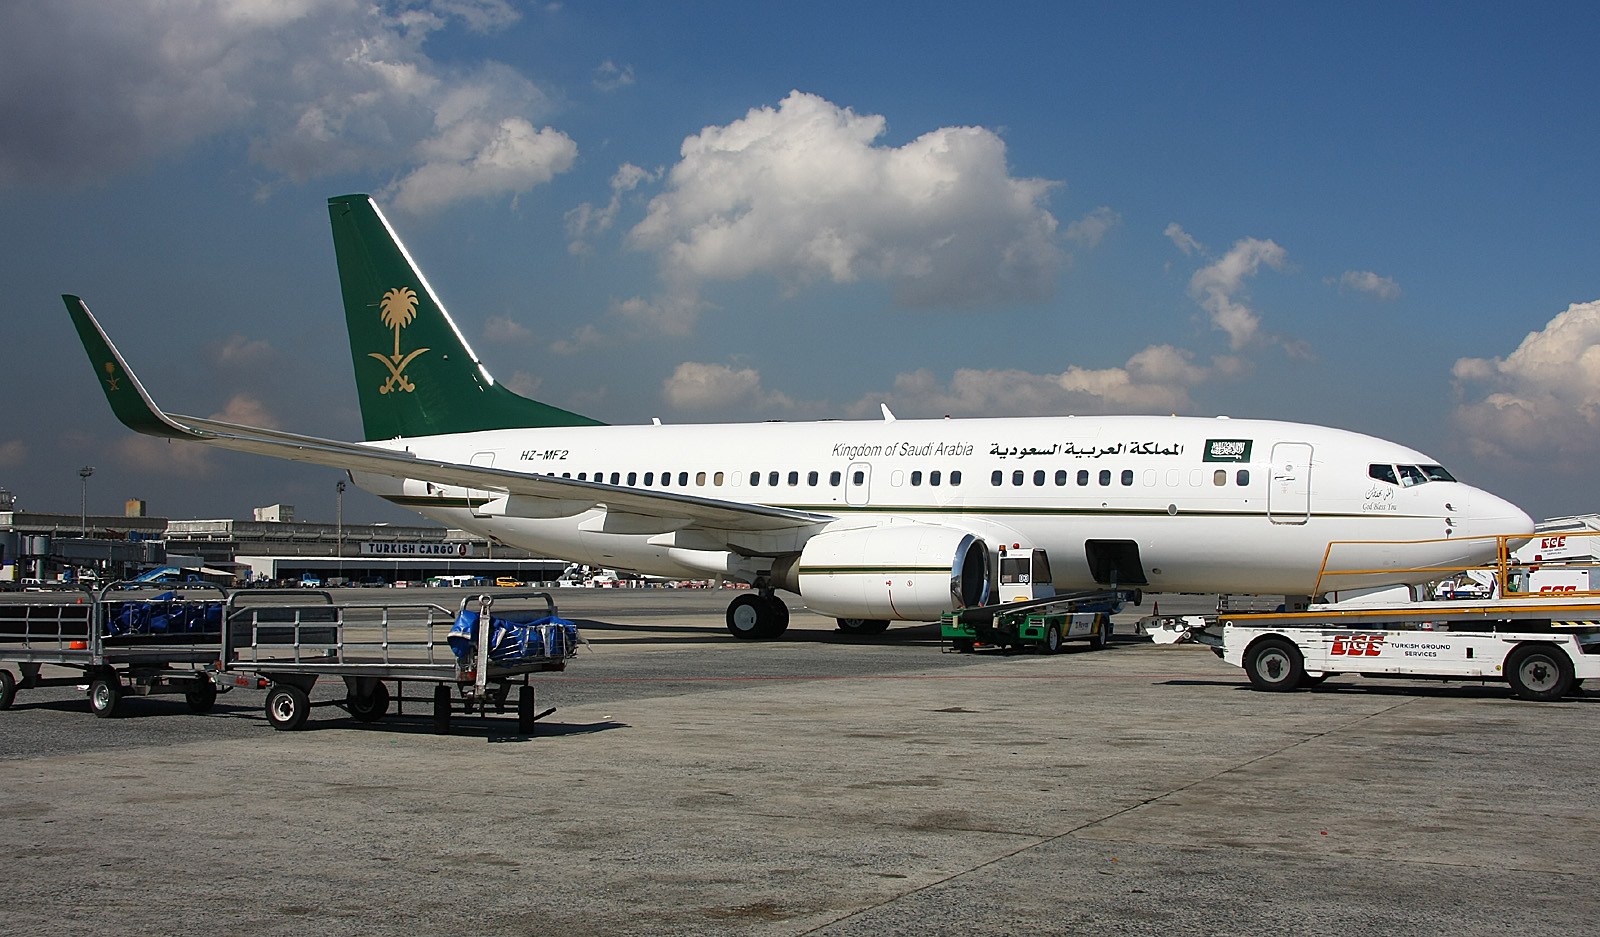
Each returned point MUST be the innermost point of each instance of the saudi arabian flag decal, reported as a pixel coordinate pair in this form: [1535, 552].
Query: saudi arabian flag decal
[1227, 450]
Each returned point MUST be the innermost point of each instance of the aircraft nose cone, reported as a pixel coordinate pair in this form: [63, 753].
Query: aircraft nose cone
[1492, 515]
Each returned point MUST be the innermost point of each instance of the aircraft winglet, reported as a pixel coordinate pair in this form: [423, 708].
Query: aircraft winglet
[127, 396]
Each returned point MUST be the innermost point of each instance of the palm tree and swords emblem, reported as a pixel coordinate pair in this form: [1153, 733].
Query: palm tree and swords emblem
[398, 308]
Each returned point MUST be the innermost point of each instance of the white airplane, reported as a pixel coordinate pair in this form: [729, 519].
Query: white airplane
[868, 521]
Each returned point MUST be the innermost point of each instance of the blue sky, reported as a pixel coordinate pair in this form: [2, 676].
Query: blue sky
[1371, 217]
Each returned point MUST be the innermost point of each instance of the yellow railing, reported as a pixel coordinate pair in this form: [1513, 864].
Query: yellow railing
[1512, 578]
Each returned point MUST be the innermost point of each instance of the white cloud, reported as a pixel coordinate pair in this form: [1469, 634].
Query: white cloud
[1218, 287]
[315, 86]
[1183, 239]
[610, 77]
[524, 383]
[586, 221]
[477, 159]
[1091, 228]
[705, 387]
[13, 452]
[506, 330]
[190, 460]
[1541, 403]
[670, 314]
[1155, 380]
[239, 351]
[1365, 281]
[800, 192]
[584, 336]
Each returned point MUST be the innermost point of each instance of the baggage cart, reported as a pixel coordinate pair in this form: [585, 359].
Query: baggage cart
[295, 637]
[129, 638]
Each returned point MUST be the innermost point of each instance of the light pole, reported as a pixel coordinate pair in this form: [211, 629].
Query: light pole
[339, 487]
[83, 499]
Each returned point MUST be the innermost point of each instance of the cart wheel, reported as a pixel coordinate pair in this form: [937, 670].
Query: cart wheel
[287, 707]
[1274, 664]
[1308, 680]
[202, 697]
[441, 709]
[1101, 636]
[1539, 672]
[369, 708]
[104, 692]
[525, 714]
[1052, 639]
[8, 688]
[963, 645]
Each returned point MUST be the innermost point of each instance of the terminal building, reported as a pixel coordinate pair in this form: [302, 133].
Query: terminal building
[272, 547]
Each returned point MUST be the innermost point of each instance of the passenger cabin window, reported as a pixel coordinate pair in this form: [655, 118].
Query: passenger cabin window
[1016, 477]
[794, 479]
[1105, 477]
[633, 479]
[700, 478]
[955, 477]
[649, 479]
[1127, 476]
[916, 479]
[616, 478]
[1383, 473]
[1411, 475]
[860, 478]
[683, 479]
[995, 479]
[833, 479]
[1219, 477]
[1038, 477]
[755, 479]
[772, 479]
[1061, 477]
[582, 476]
[811, 479]
[933, 479]
[1083, 476]
[717, 479]
[1243, 478]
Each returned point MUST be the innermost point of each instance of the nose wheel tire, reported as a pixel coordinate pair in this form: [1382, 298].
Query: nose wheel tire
[1275, 665]
[862, 625]
[753, 617]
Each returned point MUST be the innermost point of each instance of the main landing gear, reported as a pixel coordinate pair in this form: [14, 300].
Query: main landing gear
[758, 615]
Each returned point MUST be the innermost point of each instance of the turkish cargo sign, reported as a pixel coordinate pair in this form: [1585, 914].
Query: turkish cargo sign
[369, 548]
[1227, 450]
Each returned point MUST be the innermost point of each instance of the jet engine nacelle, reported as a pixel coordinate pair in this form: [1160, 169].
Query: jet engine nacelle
[911, 572]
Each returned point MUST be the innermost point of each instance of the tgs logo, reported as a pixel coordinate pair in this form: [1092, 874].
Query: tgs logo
[1357, 645]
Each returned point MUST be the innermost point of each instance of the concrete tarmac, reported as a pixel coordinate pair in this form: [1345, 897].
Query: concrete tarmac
[692, 784]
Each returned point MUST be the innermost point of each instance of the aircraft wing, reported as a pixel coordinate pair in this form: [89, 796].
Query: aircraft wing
[134, 407]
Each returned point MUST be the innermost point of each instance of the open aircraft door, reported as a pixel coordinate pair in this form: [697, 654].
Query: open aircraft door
[857, 483]
[1289, 487]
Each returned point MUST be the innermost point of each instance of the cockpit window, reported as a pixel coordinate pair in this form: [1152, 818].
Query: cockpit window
[1437, 473]
[1383, 473]
[1411, 475]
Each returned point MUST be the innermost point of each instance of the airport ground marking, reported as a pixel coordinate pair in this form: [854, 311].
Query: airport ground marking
[1121, 811]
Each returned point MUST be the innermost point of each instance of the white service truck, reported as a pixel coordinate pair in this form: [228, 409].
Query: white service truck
[1544, 651]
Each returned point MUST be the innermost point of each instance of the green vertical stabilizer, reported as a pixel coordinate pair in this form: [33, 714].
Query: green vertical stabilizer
[415, 373]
